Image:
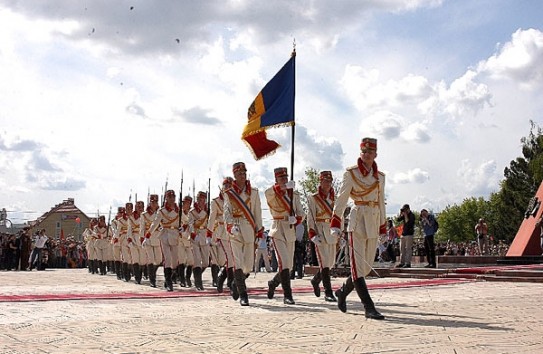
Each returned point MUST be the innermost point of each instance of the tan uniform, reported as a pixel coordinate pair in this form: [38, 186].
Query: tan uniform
[122, 236]
[169, 235]
[318, 223]
[152, 248]
[366, 218]
[282, 232]
[184, 250]
[88, 237]
[134, 227]
[242, 208]
[200, 245]
[115, 241]
[216, 226]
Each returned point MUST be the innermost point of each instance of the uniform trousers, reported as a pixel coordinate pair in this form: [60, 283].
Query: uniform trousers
[184, 253]
[242, 246]
[262, 253]
[154, 254]
[169, 239]
[225, 253]
[90, 250]
[201, 253]
[117, 252]
[138, 255]
[326, 254]
[126, 252]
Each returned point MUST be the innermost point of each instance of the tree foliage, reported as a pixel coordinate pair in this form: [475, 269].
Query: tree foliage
[504, 211]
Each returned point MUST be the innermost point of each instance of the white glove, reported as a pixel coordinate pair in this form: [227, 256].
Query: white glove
[316, 240]
[235, 230]
[335, 232]
[197, 238]
[146, 243]
[290, 185]
[131, 244]
[292, 220]
[208, 241]
[181, 229]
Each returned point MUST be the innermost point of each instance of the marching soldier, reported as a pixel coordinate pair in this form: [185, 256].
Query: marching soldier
[216, 223]
[200, 241]
[321, 205]
[151, 242]
[101, 243]
[184, 249]
[88, 236]
[136, 250]
[168, 218]
[126, 242]
[280, 197]
[365, 185]
[116, 242]
[243, 217]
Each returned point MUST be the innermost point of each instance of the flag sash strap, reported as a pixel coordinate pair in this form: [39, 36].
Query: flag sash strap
[285, 200]
[243, 206]
[324, 204]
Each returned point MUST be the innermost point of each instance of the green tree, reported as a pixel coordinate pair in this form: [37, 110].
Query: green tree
[457, 222]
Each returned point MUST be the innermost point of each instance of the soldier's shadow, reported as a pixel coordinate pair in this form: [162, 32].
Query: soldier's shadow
[276, 305]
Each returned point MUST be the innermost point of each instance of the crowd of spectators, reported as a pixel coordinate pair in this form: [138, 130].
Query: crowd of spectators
[16, 250]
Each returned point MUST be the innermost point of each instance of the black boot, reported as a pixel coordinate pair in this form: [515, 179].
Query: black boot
[364, 295]
[103, 268]
[315, 282]
[188, 275]
[118, 269]
[198, 278]
[168, 284]
[89, 266]
[287, 290]
[127, 273]
[342, 293]
[214, 274]
[242, 288]
[233, 287]
[99, 265]
[327, 284]
[137, 273]
[272, 284]
[181, 275]
[221, 277]
[151, 270]
[145, 271]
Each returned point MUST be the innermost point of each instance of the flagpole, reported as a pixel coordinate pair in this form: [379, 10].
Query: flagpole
[293, 127]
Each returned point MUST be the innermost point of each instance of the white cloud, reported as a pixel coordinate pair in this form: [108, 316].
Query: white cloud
[415, 175]
[479, 180]
[520, 60]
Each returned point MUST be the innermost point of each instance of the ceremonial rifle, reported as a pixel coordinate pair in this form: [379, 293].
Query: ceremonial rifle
[180, 198]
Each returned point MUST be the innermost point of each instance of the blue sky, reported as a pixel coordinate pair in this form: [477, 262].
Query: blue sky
[102, 98]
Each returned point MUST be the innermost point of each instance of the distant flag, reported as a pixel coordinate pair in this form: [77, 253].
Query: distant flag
[62, 234]
[273, 107]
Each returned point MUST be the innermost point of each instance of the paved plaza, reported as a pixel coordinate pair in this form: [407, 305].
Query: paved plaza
[63, 311]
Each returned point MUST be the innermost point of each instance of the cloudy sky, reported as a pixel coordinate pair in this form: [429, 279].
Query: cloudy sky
[100, 99]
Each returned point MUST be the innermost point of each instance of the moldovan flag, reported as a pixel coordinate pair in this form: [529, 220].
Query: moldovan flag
[273, 107]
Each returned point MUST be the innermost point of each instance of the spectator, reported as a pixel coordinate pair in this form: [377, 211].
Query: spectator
[406, 242]
[429, 228]
[481, 228]
[39, 244]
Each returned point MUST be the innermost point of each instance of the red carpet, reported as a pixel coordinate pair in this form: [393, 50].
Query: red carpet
[183, 292]
[492, 269]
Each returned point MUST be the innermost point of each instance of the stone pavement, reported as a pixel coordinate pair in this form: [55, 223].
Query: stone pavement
[448, 317]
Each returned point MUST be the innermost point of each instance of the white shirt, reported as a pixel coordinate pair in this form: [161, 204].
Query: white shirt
[41, 240]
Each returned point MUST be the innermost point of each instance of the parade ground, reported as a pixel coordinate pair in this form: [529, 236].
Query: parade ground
[70, 310]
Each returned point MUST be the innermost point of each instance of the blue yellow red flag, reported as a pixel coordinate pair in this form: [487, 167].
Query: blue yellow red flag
[273, 107]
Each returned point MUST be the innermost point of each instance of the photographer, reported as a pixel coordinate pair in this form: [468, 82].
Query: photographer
[429, 227]
[406, 242]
